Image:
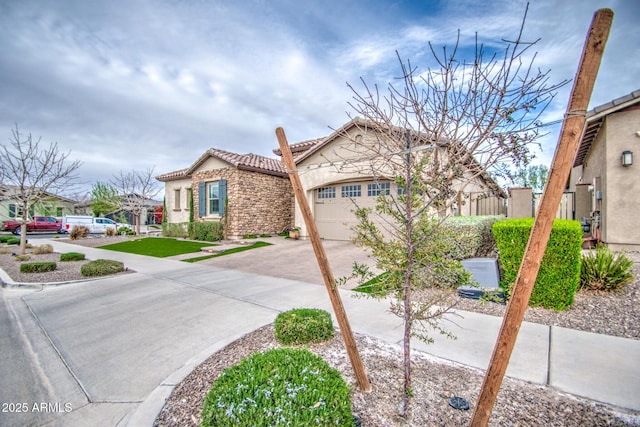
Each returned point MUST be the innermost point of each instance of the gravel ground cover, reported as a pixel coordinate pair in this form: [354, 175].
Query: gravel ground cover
[435, 381]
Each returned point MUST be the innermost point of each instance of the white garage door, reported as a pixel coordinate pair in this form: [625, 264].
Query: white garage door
[334, 206]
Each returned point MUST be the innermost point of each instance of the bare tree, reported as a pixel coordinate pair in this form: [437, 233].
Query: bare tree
[136, 188]
[34, 173]
[434, 133]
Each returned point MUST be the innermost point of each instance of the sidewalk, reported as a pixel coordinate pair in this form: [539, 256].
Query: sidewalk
[229, 303]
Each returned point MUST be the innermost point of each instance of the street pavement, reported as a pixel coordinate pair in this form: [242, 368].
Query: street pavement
[108, 352]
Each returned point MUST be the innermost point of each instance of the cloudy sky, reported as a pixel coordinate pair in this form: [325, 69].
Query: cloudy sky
[134, 84]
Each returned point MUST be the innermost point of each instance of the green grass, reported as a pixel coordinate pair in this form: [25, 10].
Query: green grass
[230, 251]
[159, 247]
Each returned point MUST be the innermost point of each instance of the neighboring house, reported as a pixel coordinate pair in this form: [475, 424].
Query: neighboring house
[605, 176]
[52, 205]
[331, 188]
[252, 194]
[151, 206]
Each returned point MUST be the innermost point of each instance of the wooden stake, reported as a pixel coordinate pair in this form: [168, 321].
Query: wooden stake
[323, 263]
[568, 143]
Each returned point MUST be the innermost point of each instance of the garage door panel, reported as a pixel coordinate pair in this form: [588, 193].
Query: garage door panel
[334, 214]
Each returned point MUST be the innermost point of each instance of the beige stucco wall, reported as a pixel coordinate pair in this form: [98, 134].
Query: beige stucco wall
[520, 202]
[622, 184]
[177, 212]
[619, 185]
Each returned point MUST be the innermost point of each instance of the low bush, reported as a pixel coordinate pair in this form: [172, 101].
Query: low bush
[25, 257]
[559, 274]
[42, 249]
[101, 267]
[37, 267]
[5, 251]
[303, 325]
[13, 241]
[206, 231]
[72, 256]
[177, 230]
[78, 232]
[126, 231]
[279, 387]
[5, 237]
[110, 232]
[602, 270]
[469, 236]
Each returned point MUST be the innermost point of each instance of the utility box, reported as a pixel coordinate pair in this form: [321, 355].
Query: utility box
[487, 273]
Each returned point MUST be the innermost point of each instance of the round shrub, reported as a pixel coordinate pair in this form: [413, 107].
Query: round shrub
[42, 249]
[37, 267]
[110, 231]
[126, 231]
[13, 241]
[4, 238]
[72, 256]
[279, 387]
[101, 267]
[25, 257]
[303, 325]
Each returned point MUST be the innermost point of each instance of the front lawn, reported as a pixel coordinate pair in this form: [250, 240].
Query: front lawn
[229, 251]
[159, 247]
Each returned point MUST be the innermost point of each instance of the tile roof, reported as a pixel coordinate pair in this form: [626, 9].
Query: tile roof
[250, 162]
[300, 147]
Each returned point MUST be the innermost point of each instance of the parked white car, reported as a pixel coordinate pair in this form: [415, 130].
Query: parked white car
[95, 225]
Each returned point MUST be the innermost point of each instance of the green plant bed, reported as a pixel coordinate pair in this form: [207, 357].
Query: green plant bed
[303, 325]
[72, 256]
[101, 267]
[38, 267]
[160, 247]
[279, 387]
[228, 252]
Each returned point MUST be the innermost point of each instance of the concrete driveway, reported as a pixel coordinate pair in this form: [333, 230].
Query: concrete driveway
[295, 259]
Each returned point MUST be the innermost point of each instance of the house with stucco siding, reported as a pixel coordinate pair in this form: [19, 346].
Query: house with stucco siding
[252, 194]
[333, 174]
[606, 173]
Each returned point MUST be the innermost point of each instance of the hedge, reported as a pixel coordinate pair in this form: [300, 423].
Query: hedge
[470, 236]
[559, 274]
[37, 267]
[203, 231]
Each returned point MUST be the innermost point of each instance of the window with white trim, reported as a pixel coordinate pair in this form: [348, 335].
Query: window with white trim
[327, 193]
[377, 189]
[213, 198]
[351, 190]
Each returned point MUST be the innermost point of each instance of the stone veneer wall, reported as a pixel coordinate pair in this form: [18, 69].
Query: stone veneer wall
[256, 203]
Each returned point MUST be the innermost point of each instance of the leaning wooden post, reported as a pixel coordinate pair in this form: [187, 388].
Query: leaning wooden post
[560, 169]
[323, 262]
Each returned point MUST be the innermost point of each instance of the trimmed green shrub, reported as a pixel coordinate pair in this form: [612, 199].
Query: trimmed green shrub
[101, 267]
[78, 232]
[469, 236]
[603, 270]
[279, 387]
[559, 274]
[13, 241]
[303, 325]
[5, 237]
[206, 231]
[43, 249]
[37, 267]
[178, 230]
[126, 230]
[72, 256]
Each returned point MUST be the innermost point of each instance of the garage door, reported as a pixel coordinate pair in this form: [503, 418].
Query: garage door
[334, 206]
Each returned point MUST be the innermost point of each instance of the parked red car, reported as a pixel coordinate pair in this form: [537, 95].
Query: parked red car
[41, 224]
